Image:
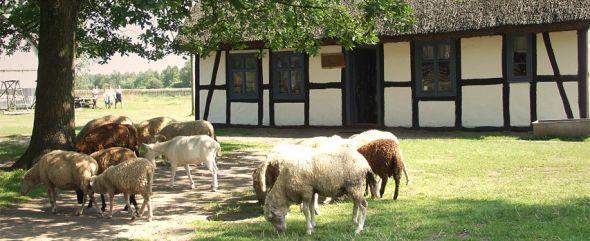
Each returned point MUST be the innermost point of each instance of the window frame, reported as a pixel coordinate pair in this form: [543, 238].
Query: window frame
[230, 72]
[276, 74]
[452, 68]
[510, 58]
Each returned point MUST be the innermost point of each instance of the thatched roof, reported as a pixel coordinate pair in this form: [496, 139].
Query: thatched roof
[447, 16]
[443, 16]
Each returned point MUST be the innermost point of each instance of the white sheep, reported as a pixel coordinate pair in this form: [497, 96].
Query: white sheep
[65, 170]
[365, 137]
[185, 150]
[326, 171]
[321, 140]
[148, 129]
[135, 176]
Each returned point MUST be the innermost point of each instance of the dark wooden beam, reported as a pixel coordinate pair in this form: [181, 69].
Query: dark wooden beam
[397, 84]
[459, 88]
[557, 73]
[197, 84]
[260, 91]
[306, 89]
[213, 79]
[321, 86]
[415, 111]
[227, 84]
[486, 81]
[583, 72]
[271, 103]
[534, 80]
[505, 83]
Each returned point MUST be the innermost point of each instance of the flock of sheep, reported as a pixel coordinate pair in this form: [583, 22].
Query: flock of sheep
[106, 161]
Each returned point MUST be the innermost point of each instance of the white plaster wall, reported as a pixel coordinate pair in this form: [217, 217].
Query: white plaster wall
[20, 61]
[520, 104]
[217, 108]
[325, 107]
[549, 103]
[481, 57]
[265, 112]
[565, 46]
[317, 74]
[289, 114]
[482, 106]
[244, 113]
[398, 107]
[396, 62]
[265, 66]
[206, 68]
[436, 113]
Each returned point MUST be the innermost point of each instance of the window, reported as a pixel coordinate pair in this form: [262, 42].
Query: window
[435, 69]
[519, 59]
[243, 76]
[288, 75]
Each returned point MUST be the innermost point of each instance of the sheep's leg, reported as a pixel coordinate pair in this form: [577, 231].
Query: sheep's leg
[383, 184]
[104, 204]
[312, 213]
[51, 196]
[98, 210]
[173, 172]
[316, 205]
[307, 213]
[142, 206]
[363, 208]
[190, 177]
[149, 207]
[355, 214]
[126, 196]
[81, 208]
[213, 168]
[111, 198]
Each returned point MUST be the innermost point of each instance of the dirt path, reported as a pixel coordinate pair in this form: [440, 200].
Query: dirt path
[174, 209]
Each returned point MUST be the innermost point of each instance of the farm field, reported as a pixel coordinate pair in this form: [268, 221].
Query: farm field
[465, 186]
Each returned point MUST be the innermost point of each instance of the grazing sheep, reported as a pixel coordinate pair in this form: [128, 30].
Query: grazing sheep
[148, 129]
[65, 170]
[135, 176]
[386, 160]
[189, 128]
[365, 137]
[112, 157]
[98, 122]
[110, 135]
[185, 150]
[326, 171]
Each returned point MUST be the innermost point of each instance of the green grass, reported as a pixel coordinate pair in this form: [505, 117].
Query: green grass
[10, 188]
[138, 108]
[463, 188]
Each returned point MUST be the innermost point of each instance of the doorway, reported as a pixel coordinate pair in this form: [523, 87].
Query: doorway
[362, 87]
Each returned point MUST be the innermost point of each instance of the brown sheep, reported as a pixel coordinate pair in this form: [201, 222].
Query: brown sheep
[386, 160]
[101, 121]
[112, 157]
[148, 129]
[106, 136]
[189, 128]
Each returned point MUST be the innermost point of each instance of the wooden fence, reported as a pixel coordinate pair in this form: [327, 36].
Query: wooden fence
[143, 92]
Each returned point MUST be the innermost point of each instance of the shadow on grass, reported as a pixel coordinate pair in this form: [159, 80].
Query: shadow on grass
[10, 188]
[229, 146]
[439, 219]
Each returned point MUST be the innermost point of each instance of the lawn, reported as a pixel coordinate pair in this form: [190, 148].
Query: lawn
[463, 188]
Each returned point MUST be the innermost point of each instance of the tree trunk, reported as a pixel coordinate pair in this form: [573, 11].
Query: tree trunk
[53, 126]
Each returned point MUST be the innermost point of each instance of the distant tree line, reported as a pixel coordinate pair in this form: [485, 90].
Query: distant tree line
[171, 77]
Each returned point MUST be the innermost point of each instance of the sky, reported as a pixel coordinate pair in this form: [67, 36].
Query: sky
[132, 63]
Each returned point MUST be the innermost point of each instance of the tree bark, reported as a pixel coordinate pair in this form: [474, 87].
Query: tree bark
[53, 126]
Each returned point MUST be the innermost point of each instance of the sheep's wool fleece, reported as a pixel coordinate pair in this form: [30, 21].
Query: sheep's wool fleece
[131, 176]
[189, 128]
[149, 128]
[105, 120]
[111, 157]
[66, 170]
[327, 170]
[365, 137]
[322, 140]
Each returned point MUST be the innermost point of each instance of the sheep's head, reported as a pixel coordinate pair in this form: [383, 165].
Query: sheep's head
[28, 182]
[150, 154]
[276, 216]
